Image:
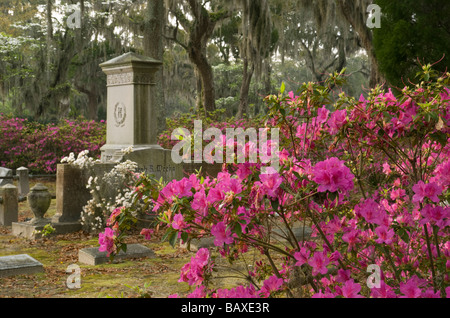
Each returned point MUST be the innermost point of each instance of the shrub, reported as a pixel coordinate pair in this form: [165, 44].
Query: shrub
[41, 147]
[371, 177]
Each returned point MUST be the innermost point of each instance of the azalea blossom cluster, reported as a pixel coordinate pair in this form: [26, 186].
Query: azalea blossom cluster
[369, 175]
[40, 147]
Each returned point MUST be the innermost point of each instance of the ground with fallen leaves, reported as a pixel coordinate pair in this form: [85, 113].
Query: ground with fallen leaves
[145, 277]
[154, 277]
[151, 277]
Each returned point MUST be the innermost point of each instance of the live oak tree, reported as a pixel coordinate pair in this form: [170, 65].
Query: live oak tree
[198, 22]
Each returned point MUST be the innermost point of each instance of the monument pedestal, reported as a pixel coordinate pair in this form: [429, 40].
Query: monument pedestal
[151, 159]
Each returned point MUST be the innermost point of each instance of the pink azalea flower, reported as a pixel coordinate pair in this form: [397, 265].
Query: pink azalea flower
[411, 289]
[429, 293]
[397, 194]
[200, 203]
[199, 292]
[202, 256]
[112, 218]
[215, 195]
[385, 291]
[243, 171]
[371, 211]
[270, 285]
[430, 190]
[147, 233]
[271, 182]
[302, 256]
[319, 263]
[237, 292]
[387, 168]
[193, 272]
[442, 173]
[384, 235]
[332, 175]
[178, 222]
[335, 256]
[181, 188]
[343, 275]
[322, 114]
[221, 234]
[106, 241]
[352, 238]
[323, 295]
[436, 215]
[350, 289]
[337, 120]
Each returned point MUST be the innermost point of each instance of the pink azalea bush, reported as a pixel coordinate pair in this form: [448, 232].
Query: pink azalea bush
[369, 175]
[41, 147]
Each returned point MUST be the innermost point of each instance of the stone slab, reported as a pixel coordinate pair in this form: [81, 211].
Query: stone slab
[30, 231]
[300, 233]
[92, 256]
[208, 242]
[196, 244]
[21, 264]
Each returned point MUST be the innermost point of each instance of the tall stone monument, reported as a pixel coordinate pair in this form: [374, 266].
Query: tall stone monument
[132, 118]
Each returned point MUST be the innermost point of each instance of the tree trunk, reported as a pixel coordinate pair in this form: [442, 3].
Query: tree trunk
[154, 48]
[200, 32]
[245, 87]
[49, 39]
[205, 72]
[355, 13]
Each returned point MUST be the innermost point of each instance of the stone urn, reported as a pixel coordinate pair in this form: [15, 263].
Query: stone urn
[39, 200]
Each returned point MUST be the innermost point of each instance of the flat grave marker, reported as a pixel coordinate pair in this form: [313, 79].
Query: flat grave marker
[21, 264]
[92, 256]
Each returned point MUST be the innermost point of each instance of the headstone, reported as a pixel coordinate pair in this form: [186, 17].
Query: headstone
[132, 118]
[9, 206]
[21, 264]
[24, 181]
[71, 193]
[92, 256]
[5, 172]
[197, 243]
[301, 233]
[207, 169]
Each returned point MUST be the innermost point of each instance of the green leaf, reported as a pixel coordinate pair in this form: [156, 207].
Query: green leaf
[403, 234]
[184, 236]
[282, 88]
[275, 204]
[173, 238]
[439, 137]
[237, 229]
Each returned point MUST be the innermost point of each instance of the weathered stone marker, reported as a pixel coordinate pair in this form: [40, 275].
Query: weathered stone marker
[132, 118]
[92, 256]
[71, 193]
[22, 264]
[9, 206]
[24, 181]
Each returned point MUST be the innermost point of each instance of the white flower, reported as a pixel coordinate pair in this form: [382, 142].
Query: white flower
[128, 150]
